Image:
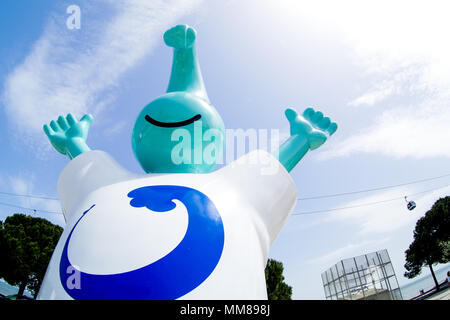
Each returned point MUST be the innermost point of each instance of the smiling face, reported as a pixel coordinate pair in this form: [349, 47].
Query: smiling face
[159, 126]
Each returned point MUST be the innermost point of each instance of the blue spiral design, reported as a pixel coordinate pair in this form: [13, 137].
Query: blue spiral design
[172, 276]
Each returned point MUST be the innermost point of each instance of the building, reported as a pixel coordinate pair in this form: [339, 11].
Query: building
[367, 277]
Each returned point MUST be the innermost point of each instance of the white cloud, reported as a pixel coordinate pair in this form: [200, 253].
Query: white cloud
[19, 185]
[114, 128]
[398, 80]
[372, 97]
[348, 251]
[401, 49]
[75, 72]
[418, 131]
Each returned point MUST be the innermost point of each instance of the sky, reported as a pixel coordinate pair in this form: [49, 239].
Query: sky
[380, 70]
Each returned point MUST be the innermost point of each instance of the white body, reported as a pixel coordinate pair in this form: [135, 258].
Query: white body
[254, 204]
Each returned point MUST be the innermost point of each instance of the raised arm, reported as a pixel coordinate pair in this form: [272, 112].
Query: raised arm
[186, 75]
[68, 136]
[308, 132]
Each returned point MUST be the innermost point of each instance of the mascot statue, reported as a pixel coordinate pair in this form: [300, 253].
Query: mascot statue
[184, 229]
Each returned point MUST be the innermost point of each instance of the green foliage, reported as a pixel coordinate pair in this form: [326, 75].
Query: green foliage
[445, 246]
[431, 239]
[26, 246]
[276, 288]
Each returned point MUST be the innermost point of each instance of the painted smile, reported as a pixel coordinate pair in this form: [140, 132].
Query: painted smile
[172, 124]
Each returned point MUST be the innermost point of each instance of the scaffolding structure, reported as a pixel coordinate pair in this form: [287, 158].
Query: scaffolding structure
[367, 277]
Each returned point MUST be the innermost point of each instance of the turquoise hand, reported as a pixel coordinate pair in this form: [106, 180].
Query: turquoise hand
[312, 125]
[181, 36]
[308, 132]
[68, 136]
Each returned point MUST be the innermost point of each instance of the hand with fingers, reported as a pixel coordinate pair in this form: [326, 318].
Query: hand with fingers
[68, 136]
[312, 125]
[308, 132]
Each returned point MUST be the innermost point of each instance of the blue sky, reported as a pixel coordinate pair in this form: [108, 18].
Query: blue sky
[381, 71]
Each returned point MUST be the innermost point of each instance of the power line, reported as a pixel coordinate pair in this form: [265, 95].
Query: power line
[299, 213]
[373, 189]
[364, 204]
[306, 198]
[26, 208]
[28, 196]
[294, 214]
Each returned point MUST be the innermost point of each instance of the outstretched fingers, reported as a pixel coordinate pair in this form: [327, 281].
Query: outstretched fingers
[308, 113]
[63, 123]
[87, 118]
[48, 131]
[62, 131]
[86, 121]
[332, 128]
[324, 123]
[317, 119]
[291, 114]
[55, 127]
[71, 119]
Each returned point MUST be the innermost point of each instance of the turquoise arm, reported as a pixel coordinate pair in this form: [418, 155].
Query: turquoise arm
[308, 132]
[75, 147]
[186, 74]
[68, 136]
[292, 151]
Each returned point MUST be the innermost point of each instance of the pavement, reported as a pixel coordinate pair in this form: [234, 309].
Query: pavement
[442, 295]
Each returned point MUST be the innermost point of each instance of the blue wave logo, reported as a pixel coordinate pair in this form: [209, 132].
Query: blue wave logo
[172, 276]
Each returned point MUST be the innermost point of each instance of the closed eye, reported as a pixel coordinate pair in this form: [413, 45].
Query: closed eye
[172, 124]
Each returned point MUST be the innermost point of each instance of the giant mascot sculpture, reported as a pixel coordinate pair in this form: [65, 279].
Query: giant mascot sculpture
[183, 230]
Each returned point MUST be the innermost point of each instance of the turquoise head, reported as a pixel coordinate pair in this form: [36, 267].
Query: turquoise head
[180, 131]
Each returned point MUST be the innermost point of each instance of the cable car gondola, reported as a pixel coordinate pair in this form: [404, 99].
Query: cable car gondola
[410, 204]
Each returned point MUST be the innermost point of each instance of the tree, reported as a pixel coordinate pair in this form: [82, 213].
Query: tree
[445, 246]
[276, 288]
[26, 246]
[431, 240]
